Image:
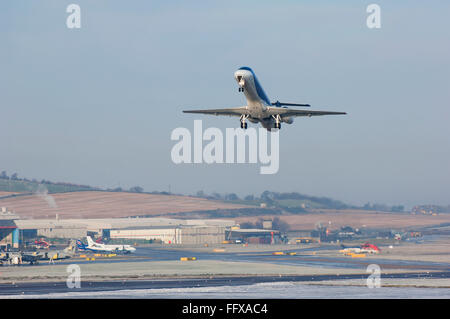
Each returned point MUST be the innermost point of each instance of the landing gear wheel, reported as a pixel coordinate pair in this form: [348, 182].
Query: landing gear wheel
[277, 122]
[244, 121]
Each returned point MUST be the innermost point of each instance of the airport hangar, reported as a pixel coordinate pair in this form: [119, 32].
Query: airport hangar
[9, 232]
[15, 231]
[169, 231]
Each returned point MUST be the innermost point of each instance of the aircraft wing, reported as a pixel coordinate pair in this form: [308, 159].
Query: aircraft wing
[234, 111]
[286, 112]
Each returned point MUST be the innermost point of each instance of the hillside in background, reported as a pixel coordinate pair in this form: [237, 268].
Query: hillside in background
[46, 199]
[14, 184]
[296, 203]
[102, 204]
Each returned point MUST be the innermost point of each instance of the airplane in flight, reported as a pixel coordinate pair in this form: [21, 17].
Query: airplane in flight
[259, 109]
[103, 248]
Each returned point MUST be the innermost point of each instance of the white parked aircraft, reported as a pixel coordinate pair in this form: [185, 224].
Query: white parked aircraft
[259, 108]
[101, 248]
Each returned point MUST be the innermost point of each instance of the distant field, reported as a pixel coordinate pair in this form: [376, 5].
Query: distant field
[355, 218]
[94, 204]
[98, 204]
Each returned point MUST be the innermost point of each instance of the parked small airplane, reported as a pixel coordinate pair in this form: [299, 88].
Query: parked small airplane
[103, 248]
[364, 248]
[42, 244]
[19, 257]
[53, 255]
[259, 108]
[33, 257]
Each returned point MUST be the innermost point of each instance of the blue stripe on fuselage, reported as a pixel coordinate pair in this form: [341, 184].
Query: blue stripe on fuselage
[259, 90]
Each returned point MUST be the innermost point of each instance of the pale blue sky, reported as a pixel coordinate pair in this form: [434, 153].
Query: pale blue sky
[97, 105]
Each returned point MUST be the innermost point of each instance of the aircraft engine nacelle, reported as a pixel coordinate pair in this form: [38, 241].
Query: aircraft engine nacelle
[288, 120]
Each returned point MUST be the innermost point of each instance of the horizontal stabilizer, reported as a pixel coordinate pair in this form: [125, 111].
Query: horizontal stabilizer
[279, 104]
[286, 112]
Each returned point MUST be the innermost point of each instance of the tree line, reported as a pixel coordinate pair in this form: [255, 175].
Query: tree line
[271, 199]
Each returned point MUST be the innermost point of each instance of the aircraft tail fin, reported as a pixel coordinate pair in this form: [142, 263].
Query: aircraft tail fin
[71, 247]
[80, 245]
[89, 240]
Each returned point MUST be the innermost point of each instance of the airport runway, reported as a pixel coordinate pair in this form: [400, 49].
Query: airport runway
[43, 288]
[303, 257]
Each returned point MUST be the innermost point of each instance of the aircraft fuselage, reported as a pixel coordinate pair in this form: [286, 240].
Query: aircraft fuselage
[257, 100]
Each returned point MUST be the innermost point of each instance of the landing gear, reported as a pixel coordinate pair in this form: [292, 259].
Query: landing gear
[277, 119]
[243, 121]
[241, 89]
